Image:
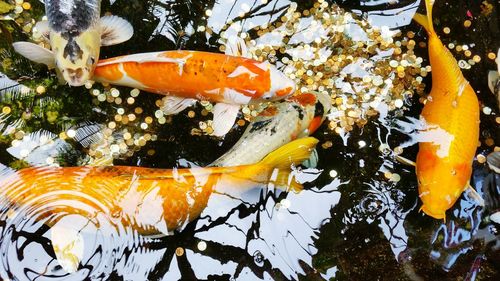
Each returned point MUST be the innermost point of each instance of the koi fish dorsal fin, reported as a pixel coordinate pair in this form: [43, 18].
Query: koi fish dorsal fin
[426, 21]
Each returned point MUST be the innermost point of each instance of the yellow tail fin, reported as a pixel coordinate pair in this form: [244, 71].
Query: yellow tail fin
[292, 153]
[426, 21]
[284, 157]
[276, 166]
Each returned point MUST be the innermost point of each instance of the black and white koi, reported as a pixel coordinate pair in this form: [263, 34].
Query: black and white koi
[75, 32]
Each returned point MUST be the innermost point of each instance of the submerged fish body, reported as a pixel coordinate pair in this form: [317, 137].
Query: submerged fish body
[75, 32]
[152, 201]
[277, 125]
[187, 76]
[443, 171]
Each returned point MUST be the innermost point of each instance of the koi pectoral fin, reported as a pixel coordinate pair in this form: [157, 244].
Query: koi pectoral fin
[312, 162]
[35, 53]
[286, 181]
[174, 105]
[236, 46]
[405, 161]
[115, 30]
[224, 118]
[67, 242]
[474, 195]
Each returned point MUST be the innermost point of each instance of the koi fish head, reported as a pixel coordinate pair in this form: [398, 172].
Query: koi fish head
[440, 186]
[281, 86]
[317, 105]
[321, 109]
[76, 56]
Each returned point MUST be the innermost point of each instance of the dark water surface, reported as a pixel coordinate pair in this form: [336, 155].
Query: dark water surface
[351, 222]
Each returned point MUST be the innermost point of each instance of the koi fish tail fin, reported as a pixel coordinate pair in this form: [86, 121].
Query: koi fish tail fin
[292, 153]
[426, 21]
[282, 159]
[422, 20]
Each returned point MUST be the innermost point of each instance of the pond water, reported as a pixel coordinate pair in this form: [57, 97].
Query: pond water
[358, 214]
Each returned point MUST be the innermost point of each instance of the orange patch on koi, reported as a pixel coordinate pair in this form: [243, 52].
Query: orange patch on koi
[315, 124]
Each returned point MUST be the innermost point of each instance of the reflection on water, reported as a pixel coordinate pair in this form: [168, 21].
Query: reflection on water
[357, 216]
[54, 232]
[92, 232]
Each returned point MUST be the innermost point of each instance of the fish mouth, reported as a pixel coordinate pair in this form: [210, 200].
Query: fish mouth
[76, 83]
[76, 77]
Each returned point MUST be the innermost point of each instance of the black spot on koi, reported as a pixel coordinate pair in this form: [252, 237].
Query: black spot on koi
[300, 110]
[81, 15]
[319, 109]
[72, 51]
[259, 125]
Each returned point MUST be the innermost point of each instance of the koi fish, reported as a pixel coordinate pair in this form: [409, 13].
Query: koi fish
[178, 195]
[279, 124]
[452, 108]
[187, 76]
[75, 32]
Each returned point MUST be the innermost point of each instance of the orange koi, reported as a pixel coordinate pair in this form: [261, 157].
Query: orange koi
[152, 201]
[187, 76]
[444, 166]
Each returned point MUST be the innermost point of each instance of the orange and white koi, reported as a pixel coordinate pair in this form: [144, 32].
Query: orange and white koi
[151, 201]
[444, 169]
[187, 76]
